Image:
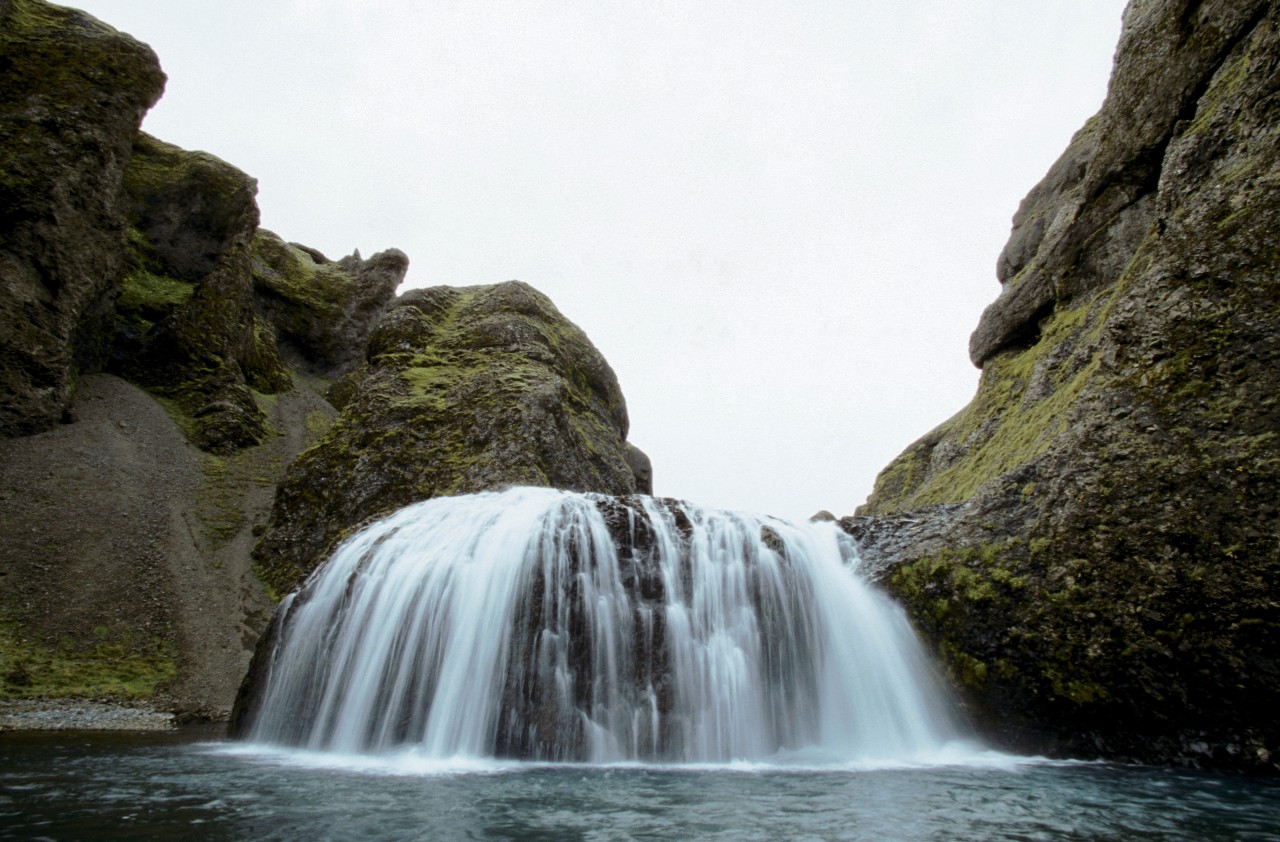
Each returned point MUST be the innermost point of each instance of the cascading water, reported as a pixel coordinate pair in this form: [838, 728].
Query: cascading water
[549, 625]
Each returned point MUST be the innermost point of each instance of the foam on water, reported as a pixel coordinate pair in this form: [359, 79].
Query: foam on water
[412, 762]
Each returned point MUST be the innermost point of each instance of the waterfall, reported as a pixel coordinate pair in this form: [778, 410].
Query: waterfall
[549, 625]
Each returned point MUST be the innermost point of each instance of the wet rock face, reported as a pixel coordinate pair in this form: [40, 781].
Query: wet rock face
[72, 93]
[464, 389]
[1091, 541]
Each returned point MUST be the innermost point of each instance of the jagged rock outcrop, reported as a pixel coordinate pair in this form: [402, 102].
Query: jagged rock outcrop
[72, 94]
[128, 515]
[211, 306]
[464, 389]
[124, 550]
[1091, 543]
[322, 310]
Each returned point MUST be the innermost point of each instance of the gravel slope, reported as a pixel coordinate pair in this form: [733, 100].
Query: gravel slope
[114, 526]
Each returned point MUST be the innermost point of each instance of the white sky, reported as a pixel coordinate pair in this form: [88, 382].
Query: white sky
[778, 221]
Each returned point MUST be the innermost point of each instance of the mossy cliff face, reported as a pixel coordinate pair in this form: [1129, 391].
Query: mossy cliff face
[464, 389]
[1091, 543]
[72, 94]
[124, 549]
[187, 329]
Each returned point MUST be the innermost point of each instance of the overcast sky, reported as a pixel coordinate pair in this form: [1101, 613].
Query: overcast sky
[778, 221]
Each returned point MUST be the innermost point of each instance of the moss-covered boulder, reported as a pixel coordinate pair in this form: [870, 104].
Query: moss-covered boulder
[464, 389]
[72, 94]
[1091, 543]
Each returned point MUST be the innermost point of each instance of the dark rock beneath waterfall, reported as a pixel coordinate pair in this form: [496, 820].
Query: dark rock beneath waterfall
[1090, 543]
[463, 389]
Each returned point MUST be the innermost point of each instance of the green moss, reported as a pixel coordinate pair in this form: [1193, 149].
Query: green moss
[947, 590]
[189, 343]
[318, 424]
[289, 272]
[1225, 89]
[157, 166]
[27, 15]
[114, 664]
[148, 293]
[1005, 425]
[965, 670]
[180, 417]
[465, 389]
[1081, 692]
[220, 502]
[218, 506]
[975, 574]
[269, 586]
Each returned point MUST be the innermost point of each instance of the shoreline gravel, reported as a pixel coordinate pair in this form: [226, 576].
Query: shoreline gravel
[81, 715]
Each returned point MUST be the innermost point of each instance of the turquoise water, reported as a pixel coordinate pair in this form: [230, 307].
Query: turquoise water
[187, 786]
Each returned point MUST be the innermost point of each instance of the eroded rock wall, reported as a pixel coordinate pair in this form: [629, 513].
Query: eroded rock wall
[72, 94]
[1091, 543]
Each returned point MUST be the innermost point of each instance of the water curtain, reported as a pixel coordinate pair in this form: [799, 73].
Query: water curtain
[548, 625]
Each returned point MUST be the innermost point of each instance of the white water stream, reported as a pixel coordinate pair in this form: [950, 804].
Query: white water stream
[548, 625]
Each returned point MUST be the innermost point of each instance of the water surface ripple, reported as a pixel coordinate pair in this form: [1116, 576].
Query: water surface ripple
[61, 786]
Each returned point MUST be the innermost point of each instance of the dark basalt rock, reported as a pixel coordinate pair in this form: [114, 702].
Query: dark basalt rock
[187, 329]
[191, 208]
[1090, 544]
[122, 254]
[641, 468]
[322, 310]
[72, 94]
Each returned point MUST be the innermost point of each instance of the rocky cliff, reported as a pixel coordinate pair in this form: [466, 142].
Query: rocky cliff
[72, 98]
[1091, 544]
[177, 383]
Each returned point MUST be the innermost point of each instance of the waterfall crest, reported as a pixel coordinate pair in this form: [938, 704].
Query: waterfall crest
[549, 625]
